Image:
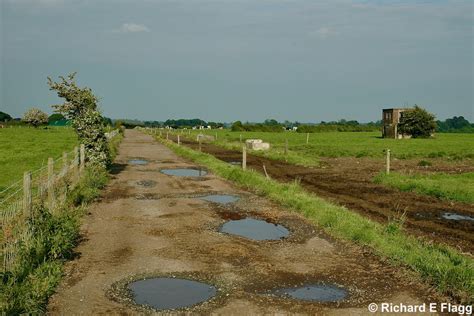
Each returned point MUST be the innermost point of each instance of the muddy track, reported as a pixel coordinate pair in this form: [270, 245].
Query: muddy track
[149, 224]
[348, 182]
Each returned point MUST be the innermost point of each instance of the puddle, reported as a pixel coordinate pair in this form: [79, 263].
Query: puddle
[220, 198]
[457, 217]
[170, 293]
[314, 293]
[235, 163]
[147, 183]
[184, 172]
[255, 229]
[138, 161]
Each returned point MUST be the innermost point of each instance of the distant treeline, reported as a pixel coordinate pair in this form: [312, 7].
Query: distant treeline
[457, 124]
[339, 126]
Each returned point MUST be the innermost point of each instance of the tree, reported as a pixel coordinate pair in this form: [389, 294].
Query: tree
[417, 122]
[80, 107]
[35, 117]
[4, 117]
[55, 117]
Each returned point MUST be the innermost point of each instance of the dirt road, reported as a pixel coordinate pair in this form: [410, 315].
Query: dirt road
[150, 224]
[349, 182]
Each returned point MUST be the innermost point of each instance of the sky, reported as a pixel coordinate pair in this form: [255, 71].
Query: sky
[249, 60]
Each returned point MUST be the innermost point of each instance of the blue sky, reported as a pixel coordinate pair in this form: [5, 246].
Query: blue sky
[226, 60]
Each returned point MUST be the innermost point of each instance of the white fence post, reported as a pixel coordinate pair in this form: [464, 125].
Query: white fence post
[244, 158]
[388, 161]
[27, 198]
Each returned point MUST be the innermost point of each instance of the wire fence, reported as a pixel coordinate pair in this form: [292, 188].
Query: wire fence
[47, 186]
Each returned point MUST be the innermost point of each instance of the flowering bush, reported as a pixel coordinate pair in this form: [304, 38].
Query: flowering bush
[81, 108]
[35, 117]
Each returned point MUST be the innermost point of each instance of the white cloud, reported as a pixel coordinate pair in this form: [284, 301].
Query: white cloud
[324, 32]
[133, 28]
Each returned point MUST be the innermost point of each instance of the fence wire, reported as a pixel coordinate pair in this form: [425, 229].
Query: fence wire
[47, 185]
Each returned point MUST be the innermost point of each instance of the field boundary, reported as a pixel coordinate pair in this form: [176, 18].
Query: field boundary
[451, 272]
[48, 185]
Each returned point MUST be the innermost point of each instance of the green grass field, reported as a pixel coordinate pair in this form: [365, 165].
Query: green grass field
[458, 187]
[355, 144]
[23, 149]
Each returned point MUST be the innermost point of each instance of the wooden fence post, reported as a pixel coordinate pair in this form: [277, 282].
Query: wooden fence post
[388, 161]
[286, 146]
[216, 136]
[179, 141]
[167, 136]
[241, 138]
[51, 183]
[83, 159]
[27, 198]
[307, 138]
[65, 164]
[244, 158]
[76, 164]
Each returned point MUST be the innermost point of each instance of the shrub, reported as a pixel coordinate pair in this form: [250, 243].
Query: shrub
[35, 117]
[417, 122]
[81, 108]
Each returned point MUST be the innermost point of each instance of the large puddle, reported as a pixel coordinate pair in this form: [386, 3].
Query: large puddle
[184, 172]
[457, 217]
[220, 198]
[314, 293]
[255, 229]
[138, 161]
[170, 293]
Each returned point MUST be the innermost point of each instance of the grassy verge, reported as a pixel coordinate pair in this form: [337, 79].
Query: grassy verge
[457, 187]
[26, 288]
[444, 267]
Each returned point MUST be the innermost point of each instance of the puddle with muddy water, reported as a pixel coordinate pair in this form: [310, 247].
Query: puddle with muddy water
[184, 172]
[138, 161]
[220, 198]
[314, 293]
[255, 229]
[170, 293]
[457, 217]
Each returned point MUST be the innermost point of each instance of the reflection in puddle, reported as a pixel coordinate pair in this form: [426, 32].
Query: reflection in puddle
[255, 229]
[138, 161]
[220, 198]
[184, 172]
[315, 293]
[457, 217]
[170, 293]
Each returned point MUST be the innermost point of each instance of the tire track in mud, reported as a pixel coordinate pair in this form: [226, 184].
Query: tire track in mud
[149, 224]
[348, 182]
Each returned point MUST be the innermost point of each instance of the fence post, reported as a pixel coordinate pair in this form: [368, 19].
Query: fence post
[83, 159]
[27, 198]
[216, 136]
[244, 157]
[179, 141]
[65, 165]
[76, 163]
[286, 146]
[307, 138]
[388, 161]
[167, 136]
[241, 138]
[51, 183]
